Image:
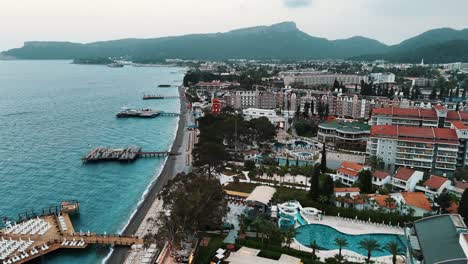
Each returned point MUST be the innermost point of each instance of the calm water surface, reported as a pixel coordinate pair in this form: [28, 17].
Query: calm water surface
[52, 113]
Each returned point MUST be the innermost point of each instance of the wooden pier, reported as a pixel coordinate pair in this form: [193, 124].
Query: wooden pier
[32, 238]
[158, 97]
[128, 154]
[108, 154]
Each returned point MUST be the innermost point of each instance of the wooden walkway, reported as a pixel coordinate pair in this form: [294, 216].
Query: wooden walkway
[59, 233]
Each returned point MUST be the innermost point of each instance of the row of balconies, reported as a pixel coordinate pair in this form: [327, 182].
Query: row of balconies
[405, 150]
[410, 163]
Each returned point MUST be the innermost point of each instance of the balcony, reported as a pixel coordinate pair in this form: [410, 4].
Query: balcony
[413, 151]
[455, 149]
[416, 146]
[446, 154]
[445, 160]
[409, 163]
[414, 158]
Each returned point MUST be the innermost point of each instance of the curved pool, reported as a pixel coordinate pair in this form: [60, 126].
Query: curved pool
[325, 238]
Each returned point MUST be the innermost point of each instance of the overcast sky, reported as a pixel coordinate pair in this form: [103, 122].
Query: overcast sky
[389, 21]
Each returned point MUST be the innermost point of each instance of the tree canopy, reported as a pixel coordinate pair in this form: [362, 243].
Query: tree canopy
[192, 203]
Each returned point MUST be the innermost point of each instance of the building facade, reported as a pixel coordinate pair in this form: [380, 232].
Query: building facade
[344, 135]
[315, 79]
[439, 150]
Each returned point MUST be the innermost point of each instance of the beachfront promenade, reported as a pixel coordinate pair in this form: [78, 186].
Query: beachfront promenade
[151, 206]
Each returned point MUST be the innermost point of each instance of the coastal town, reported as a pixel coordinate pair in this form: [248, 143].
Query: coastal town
[376, 160]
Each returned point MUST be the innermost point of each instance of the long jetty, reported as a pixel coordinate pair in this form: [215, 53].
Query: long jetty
[34, 237]
[128, 154]
[155, 96]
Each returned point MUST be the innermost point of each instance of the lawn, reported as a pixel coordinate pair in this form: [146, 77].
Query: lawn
[240, 187]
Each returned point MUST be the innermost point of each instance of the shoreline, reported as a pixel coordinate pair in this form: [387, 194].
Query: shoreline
[119, 254]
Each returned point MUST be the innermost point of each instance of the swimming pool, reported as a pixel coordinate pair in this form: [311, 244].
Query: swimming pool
[325, 238]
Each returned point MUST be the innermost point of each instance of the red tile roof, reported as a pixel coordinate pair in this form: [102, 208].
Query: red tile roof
[347, 190]
[417, 199]
[435, 182]
[381, 200]
[404, 173]
[418, 112]
[459, 125]
[381, 174]
[423, 134]
[350, 168]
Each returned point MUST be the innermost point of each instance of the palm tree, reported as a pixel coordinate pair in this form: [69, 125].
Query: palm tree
[341, 242]
[323, 199]
[369, 245]
[394, 249]
[289, 235]
[315, 248]
[260, 224]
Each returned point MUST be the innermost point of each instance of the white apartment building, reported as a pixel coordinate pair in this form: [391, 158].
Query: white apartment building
[314, 79]
[251, 113]
[434, 186]
[406, 179]
[380, 178]
[382, 78]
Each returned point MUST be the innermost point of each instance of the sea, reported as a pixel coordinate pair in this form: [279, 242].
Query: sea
[52, 113]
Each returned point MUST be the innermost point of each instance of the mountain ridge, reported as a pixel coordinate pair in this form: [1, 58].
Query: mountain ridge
[278, 41]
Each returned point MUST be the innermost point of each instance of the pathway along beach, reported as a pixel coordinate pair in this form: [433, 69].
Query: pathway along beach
[119, 254]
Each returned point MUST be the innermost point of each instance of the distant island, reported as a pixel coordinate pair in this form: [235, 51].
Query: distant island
[283, 41]
[94, 61]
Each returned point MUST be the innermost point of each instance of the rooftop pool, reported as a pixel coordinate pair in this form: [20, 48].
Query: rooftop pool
[325, 238]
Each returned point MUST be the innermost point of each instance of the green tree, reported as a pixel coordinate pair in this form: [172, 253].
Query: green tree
[249, 165]
[289, 235]
[264, 130]
[306, 109]
[210, 154]
[328, 187]
[463, 206]
[365, 181]
[433, 94]
[444, 201]
[369, 245]
[341, 242]
[315, 183]
[260, 224]
[323, 162]
[461, 173]
[315, 248]
[375, 162]
[394, 249]
[194, 203]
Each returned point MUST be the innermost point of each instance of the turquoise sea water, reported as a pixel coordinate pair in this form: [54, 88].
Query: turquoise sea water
[325, 237]
[52, 113]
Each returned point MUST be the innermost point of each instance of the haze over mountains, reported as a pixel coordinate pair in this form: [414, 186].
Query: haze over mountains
[278, 41]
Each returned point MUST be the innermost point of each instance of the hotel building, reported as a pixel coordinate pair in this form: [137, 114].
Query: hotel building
[315, 79]
[439, 116]
[439, 150]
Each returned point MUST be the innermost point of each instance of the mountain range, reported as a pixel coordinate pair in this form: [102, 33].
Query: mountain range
[282, 41]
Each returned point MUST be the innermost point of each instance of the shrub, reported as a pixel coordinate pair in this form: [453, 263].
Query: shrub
[249, 165]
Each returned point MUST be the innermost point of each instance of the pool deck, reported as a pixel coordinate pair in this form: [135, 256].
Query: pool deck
[347, 254]
[352, 227]
[355, 227]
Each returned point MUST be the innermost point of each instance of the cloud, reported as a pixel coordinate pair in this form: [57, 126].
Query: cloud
[296, 3]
